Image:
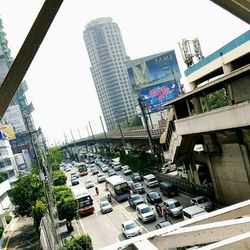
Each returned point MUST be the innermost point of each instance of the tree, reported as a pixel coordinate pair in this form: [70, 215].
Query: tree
[38, 211]
[135, 121]
[59, 178]
[55, 157]
[79, 243]
[3, 177]
[24, 194]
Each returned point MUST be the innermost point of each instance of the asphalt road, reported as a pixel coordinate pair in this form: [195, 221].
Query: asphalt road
[105, 229]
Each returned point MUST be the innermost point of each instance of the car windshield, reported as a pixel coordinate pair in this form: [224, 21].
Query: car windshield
[152, 179]
[100, 175]
[122, 188]
[202, 200]
[85, 201]
[88, 181]
[137, 185]
[104, 203]
[145, 210]
[154, 195]
[136, 197]
[130, 226]
[73, 178]
[175, 204]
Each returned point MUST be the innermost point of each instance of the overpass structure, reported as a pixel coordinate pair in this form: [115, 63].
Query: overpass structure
[222, 129]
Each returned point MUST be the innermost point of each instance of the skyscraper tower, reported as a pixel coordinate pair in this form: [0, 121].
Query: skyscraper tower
[107, 55]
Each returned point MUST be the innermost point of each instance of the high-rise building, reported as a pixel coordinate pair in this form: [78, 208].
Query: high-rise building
[107, 55]
[18, 114]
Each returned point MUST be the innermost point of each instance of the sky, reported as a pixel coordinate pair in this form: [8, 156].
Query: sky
[60, 84]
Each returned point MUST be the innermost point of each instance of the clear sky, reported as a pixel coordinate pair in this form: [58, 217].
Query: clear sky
[59, 79]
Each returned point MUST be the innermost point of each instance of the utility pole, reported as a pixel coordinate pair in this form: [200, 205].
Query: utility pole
[120, 129]
[73, 151]
[93, 138]
[104, 131]
[146, 124]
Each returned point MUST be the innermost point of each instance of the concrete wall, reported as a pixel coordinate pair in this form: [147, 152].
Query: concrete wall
[231, 174]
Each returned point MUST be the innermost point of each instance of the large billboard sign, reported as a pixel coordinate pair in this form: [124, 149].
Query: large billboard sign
[153, 70]
[153, 97]
[8, 130]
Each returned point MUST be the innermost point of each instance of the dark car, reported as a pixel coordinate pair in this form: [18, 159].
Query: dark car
[136, 177]
[135, 199]
[137, 187]
[111, 172]
[154, 197]
[168, 189]
[74, 181]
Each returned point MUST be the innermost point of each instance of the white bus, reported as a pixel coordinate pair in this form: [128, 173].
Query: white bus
[118, 187]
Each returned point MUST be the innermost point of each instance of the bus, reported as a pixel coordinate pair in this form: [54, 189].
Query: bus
[85, 202]
[118, 187]
[82, 169]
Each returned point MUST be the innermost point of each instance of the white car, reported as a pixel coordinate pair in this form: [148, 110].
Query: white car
[145, 213]
[104, 168]
[89, 184]
[126, 170]
[203, 202]
[105, 207]
[174, 207]
[130, 229]
[101, 177]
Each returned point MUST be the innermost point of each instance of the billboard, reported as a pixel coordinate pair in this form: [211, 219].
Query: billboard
[8, 130]
[153, 70]
[153, 97]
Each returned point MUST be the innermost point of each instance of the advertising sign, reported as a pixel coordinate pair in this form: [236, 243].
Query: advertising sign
[154, 97]
[8, 130]
[153, 70]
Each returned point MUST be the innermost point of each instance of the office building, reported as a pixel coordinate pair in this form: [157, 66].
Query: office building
[107, 55]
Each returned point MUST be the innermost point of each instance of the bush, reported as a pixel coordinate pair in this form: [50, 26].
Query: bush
[8, 218]
[82, 243]
[38, 211]
[1, 231]
[59, 178]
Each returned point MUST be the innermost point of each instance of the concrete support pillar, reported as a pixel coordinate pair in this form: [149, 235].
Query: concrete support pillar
[197, 105]
[3, 221]
[195, 175]
[227, 68]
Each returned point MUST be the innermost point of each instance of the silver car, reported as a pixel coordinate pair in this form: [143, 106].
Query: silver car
[203, 202]
[174, 207]
[105, 207]
[130, 229]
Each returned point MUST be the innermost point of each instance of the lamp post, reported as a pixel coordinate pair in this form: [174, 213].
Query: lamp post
[146, 124]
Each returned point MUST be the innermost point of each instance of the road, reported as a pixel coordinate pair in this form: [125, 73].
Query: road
[105, 229]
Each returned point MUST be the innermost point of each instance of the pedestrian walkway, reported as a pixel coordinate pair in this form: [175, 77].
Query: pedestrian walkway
[20, 234]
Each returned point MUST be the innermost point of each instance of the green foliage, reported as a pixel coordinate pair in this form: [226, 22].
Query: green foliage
[139, 162]
[38, 211]
[79, 243]
[59, 178]
[1, 232]
[24, 194]
[62, 192]
[67, 208]
[135, 121]
[8, 218]
[55, 157]
[3, 177]
[216, 100]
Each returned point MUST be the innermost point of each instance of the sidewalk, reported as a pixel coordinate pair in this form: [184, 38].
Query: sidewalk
[20, 234]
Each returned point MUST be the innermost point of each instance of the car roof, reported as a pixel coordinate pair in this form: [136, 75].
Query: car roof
[142, 205]
[170, 201]
[199, 197]
[127, 222]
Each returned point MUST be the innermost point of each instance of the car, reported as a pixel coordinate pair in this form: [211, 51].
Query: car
[67, 169]
[101, 178]
[94, 171]
[74, 174]
[117, 166]
[153, 197]
[135, 199]
[145, 213]
[163, 224]
[130, 229]
[137, 187]
[89, 184]
[130, 182]
[174, 207]
[104, 168]
[203, 202]
[105, 207]
[126, 170]
[74, 181]
[136, 177]
[111, 172]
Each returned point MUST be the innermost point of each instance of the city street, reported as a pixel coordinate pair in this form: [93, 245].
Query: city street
[105, 229]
